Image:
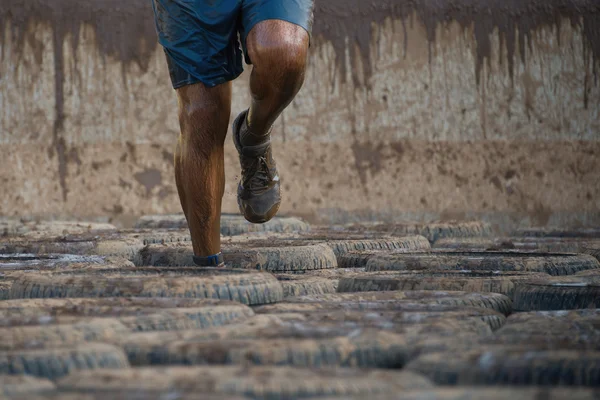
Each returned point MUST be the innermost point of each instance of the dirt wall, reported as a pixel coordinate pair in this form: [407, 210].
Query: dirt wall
[411, 109]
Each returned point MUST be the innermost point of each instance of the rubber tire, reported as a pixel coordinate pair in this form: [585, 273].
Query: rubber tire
[244, 286]
[564, 293]
[10, 263]
[432, 231]
[230, 224]
[301, 285]
[19, 385]
[552, 264]
[592, 233]
[278, 382]
[467, 281]
[503, 365]
[494, 301]
[48, 336]
[58, 362]
[489, 393]
[273, 259]
[110, 244]
[14, 227]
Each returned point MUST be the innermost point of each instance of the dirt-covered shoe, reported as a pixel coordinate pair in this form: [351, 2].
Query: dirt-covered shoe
[259, 194]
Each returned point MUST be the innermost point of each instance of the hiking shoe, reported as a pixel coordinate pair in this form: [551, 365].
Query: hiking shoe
[258, 191]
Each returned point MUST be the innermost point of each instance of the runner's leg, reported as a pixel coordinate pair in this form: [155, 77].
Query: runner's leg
[199, 161]
[200, 39]
[278, 50]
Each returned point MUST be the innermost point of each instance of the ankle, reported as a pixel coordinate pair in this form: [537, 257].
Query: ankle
[253, 136]
[214, 260]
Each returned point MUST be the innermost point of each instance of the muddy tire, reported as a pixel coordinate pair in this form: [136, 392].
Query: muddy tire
[13, 263]
[400, 306]
[396, 320]
[504, 365]
[16, 385]
[329, 329]
[256, 382]
[591, 273]
[566, 293]
[13, 227]
[592, 233]
[551, 330]
[47, 336]
[411, 243]
[469, 243]
[5, 289]
[243, 286]
[372, 349]
[58, 362]
[82, 245]
[552, 264]
[89, 306]
[574, 324]
[494, 301]
[432, 231]
[200, 313]
[283, 259]
[472, 320]
[467, 281]
[301, 285]
[488, 393]
[230, 224]
[236, 225]
[273, 259]
[134, 318]
[356, 259]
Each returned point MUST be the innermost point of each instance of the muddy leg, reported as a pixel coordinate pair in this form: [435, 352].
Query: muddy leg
[199, 163]
[278, 51]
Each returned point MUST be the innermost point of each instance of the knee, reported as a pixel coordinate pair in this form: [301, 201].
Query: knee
[280, 49]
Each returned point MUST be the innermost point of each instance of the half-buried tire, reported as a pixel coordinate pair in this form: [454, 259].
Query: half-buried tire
[11, 263]
[278, 382]
[467, 281]
[505, 365]
[138, 318]
[432, 231]
[58, 362]
[110, 244]
[301, 285]
[291, 259]
[489, 393]
[16, 385]
[560, 293]
[558, 233]
[550, 263]
[230, 224]
[247, 287]
[494, 301]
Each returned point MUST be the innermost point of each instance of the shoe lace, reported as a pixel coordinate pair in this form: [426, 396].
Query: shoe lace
[260, 175]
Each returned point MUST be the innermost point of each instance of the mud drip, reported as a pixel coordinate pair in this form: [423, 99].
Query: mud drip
[125, 31]
[514, 20]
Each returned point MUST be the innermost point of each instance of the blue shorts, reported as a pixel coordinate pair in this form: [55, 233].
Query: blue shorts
[200, 37]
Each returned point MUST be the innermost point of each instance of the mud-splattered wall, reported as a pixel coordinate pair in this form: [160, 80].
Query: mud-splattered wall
[411, 109]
